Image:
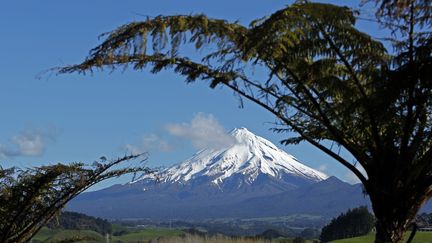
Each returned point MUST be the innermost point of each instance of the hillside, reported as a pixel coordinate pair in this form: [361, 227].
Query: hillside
[248, 178]
[78, 221]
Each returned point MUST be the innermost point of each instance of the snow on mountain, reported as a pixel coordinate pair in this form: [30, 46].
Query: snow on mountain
[250, 157]
[248, 179]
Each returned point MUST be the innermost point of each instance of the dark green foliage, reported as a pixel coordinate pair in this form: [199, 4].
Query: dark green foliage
[29, 198]
[327, 82]
[355, 222]
[78, 221]
[299, 240]
[396, 14]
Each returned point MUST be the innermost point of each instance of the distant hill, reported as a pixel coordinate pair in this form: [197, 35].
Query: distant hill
[248, 178]
[79, 221]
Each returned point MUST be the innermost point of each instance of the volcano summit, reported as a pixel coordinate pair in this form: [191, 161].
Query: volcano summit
[250, 177]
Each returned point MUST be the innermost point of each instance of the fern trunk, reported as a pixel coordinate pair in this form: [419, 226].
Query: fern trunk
[395, 212]
[386, 232]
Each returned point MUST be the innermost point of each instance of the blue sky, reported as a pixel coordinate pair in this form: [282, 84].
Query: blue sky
[80, 118]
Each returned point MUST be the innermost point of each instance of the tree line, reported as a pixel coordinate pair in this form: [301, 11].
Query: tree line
[355, 222]
[79, 221]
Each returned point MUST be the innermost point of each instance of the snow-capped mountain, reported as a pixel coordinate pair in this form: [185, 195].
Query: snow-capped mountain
[250, 156]
[248, 178]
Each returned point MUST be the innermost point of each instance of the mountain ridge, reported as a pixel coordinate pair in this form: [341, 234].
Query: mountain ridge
[248, 178]
[250, 155]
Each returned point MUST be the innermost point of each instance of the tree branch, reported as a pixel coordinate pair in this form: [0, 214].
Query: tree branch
[345, 163]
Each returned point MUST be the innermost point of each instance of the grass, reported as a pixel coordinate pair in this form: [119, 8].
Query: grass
[148, 234]
[47, 235]
[44, 234]
[420, 237]
[218, 239]
[160, 235]
[212, 239]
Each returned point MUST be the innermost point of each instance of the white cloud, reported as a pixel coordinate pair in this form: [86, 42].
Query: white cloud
[7, 152]
[133, 149]
[30, 142]
[204, 131]
[151, 142]
[323, 167]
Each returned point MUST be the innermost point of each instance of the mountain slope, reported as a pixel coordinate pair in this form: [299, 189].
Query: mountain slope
[249, 155]
[250, 177]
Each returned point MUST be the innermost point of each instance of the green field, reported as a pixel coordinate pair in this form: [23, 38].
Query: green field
[420, 237]
[148, 234]
[163, 235]
[47, 235]
[57, 235]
